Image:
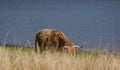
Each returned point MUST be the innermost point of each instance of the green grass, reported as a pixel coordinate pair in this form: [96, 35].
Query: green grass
[23, 58]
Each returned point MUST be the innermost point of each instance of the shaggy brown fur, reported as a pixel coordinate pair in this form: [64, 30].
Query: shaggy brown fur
[53, 39]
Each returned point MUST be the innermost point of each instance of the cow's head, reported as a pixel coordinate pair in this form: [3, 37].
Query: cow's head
[69, 49]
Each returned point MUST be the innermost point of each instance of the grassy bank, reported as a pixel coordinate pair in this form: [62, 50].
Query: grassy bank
[18, 58]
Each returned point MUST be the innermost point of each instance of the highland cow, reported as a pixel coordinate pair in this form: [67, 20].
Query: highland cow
[53, 40]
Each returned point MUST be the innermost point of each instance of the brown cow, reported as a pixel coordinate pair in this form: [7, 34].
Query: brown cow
[53, 39]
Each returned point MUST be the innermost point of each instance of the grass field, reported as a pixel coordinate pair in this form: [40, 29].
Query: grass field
[19, 58]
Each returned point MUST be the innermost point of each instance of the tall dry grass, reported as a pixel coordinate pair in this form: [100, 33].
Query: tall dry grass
[29, 60]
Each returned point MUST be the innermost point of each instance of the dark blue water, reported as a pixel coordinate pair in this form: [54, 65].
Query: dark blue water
[96, 23]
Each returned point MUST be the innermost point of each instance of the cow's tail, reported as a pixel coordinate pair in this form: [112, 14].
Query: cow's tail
[36, 45]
